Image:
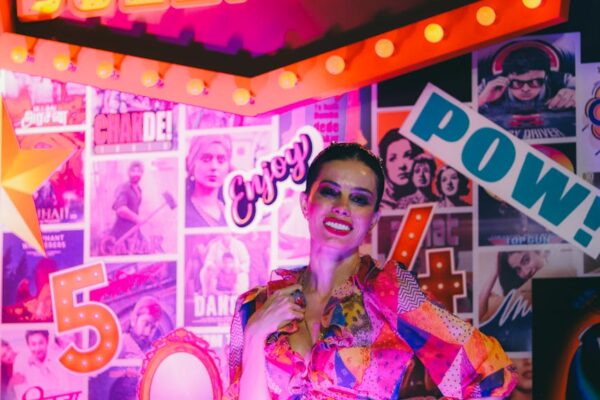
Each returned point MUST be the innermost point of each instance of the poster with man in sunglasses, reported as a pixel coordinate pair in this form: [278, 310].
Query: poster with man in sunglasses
[527, 86]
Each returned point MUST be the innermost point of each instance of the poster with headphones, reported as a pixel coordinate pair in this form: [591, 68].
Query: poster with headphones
[528, 85]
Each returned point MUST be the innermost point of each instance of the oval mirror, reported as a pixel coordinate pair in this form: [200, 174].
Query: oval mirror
[180, 366]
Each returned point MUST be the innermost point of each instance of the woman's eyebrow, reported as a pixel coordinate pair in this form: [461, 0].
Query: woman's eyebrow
[361, 189]
[355, 189]
[333, 183]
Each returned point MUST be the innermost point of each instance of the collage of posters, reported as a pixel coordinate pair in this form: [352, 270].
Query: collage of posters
[145, 193]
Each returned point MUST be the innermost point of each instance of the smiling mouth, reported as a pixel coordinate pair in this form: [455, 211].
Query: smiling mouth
[337, 226]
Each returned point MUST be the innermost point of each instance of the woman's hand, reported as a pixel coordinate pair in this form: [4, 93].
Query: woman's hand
[279, 310]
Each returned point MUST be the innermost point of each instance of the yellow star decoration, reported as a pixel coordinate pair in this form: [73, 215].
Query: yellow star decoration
[21, 173]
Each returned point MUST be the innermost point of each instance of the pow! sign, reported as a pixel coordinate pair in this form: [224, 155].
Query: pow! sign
[522, 176]
[71, 315]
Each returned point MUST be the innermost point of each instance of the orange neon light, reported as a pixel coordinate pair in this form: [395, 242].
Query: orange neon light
[39, 10]
[463, 33]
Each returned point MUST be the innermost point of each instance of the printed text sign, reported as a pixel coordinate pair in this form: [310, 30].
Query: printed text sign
[521, 175]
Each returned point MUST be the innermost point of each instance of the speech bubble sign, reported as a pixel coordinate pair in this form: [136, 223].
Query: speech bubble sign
[524, 177]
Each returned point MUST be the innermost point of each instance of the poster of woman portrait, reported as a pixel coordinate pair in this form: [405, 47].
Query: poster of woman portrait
[503, 284]
[413, 176]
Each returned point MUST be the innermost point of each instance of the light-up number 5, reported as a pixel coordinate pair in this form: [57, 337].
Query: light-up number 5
[70, 315]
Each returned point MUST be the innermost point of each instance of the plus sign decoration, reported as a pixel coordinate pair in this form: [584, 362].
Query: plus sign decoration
[21, 173]
[441, 279]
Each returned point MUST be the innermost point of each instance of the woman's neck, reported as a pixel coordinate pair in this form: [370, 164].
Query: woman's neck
[327, 271]
[208, 195]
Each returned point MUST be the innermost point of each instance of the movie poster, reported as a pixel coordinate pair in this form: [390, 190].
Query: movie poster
[588, 98]
[25, 278]
[209, 159]
[590, 265]
[218, 268]
[412, 175]
[60, 198]
[37, 102]
[142, 296]
[30, 366]
[503, 285]
[527, 85]
[134, 206]
[500, 224]
[115, 383]
[129, 123]
[343, 118]
[204, 118]
[566, 338]
[452, 287]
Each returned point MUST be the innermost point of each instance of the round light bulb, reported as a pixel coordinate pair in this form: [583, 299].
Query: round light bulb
[384, 48]
[335, 65]
[62, 62]
[486, 16]
[19, 54]
[288, 80]
[241, 96]
[532, 3]
[195, 87]
[434, 33]
[150, 78]
[105, 70]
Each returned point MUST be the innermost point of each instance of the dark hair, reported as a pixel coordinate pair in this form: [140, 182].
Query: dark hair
[44, 333]
[463, 182]
[136, 164]
[391, 136]
[507, 276]
[524, 60]
[347, 151]
[426, 159]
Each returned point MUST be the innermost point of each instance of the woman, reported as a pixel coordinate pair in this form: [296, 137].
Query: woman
[398, 154]
[208, 162]
[422, 175]
[514, 269]
[451, 185]
[344, 327]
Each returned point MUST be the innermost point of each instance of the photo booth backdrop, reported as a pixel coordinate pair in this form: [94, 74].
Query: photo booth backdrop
[190, 275]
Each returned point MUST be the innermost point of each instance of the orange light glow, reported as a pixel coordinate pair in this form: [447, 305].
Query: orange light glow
[62, 62]
[242, 96]
[486, 16]
[150, 78]
[288, 80]
[196, 87]
[19, 54]
[434, 33]
[384, 48]
[335, 65]
[533, 4]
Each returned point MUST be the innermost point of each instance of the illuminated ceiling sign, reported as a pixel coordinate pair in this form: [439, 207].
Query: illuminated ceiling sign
[255, 57]
[38, 10]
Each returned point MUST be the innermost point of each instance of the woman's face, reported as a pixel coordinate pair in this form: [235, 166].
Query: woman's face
[526, 263]
[449, 182]
[399, 162]
[421, 175]
[340, 207]
[211, 165]
[524, 372]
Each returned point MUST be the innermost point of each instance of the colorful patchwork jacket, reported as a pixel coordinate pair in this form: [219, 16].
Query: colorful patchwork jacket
[372, 327]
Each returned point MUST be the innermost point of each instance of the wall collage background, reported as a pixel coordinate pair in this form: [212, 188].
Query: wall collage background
[185, 265]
